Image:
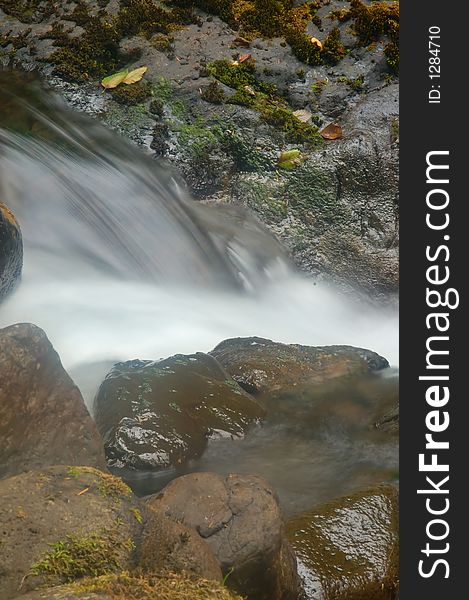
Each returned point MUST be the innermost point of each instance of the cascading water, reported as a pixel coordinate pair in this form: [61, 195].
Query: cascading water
[121, 264]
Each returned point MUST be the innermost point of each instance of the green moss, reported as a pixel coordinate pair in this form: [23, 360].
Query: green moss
[198, 139]
[73, 471]
[162, 42]
[93, 554]
[213, 94]
[263, 98]
[318, 86]
[375, 20]
[333, 49]
[137, 514]
[303, 49]
[132, 94]
[391, 52]
[356, 84]
[27, 11]
[109, 486]
[166, 586]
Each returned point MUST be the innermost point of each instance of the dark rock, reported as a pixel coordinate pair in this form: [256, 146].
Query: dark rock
[261, 365]
[161, 414]
[11, 251]
[240, 519]
[91, 514]
[176, 546]
[43, 419]
[348, 549]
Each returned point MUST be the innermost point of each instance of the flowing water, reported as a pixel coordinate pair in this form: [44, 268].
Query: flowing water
[120, 263]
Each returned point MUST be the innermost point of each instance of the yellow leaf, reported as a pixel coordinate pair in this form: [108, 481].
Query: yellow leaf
[114, 80]
[135, 75]
[303, 115]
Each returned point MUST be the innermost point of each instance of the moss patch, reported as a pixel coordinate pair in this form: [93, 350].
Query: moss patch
[94, 554]
[132, 94]
[125, 586]
[263, 98]
[109, 486]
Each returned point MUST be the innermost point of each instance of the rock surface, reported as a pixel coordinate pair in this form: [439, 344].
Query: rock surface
[337, 212]
[263, 366]
[43, 419]
[240, 519]
[61, 523]
[11, 251]
[160, 414]
[348, 549]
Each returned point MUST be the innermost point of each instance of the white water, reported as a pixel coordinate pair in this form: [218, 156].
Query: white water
[119, 264]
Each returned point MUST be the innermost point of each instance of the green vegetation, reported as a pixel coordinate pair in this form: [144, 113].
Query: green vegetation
[263, 98]
[132, 94]
[93, 554]
[356, 84]
[27, 11]
[213, 93]
[166, 586]
[109, 486]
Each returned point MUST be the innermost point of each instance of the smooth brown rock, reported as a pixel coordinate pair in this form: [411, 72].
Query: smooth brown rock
[43, 419]
[154, 415]
[11, 251]
[240, 519]
[348, 549]
[263, 366]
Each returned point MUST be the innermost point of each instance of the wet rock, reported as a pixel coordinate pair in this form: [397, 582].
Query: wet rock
[260, 365]
[348, 549]
[176, 546]
[239, 517]
[43, 419]
[62, 523]
[155, 415]
[166, 586]
[11, 251]
[389, 422]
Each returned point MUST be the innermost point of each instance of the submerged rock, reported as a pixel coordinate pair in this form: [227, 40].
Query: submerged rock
[11, 251]
[155, 415]
[261, 366]
[389, 422]
[239, 517]
[348, 549]
[43, 419]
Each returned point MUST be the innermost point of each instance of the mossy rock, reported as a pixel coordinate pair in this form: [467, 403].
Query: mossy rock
[167, 586]
[64, 523]
[11, 257]
[348, 549]
[155, 415]
[262, 366]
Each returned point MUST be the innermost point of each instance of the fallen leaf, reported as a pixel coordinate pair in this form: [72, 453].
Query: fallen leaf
[114, 80]
[83, 491]
[243, 57]
[241, 42]
[303, 115]
[249, 90]
[135, 75]
[290, 159]
[331, 132]
[316, 42]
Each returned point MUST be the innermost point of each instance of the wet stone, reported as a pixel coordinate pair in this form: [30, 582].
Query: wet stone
[155, 415]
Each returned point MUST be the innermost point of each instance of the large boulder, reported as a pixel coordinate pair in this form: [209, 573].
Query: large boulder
[62, 523]
[263, 366]
[43, 419]
[11, 251]
[348, 549]
[239, 517]
[168, 586]
[155, 415]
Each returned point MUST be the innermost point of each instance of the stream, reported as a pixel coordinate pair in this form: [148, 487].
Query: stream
[120, 263]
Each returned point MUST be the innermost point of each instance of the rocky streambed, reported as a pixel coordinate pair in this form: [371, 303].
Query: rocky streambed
[232, 85]
[71, 529]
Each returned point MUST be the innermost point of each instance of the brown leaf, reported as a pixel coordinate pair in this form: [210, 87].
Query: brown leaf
[331, 132]
[243, 57]
[316, 42]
